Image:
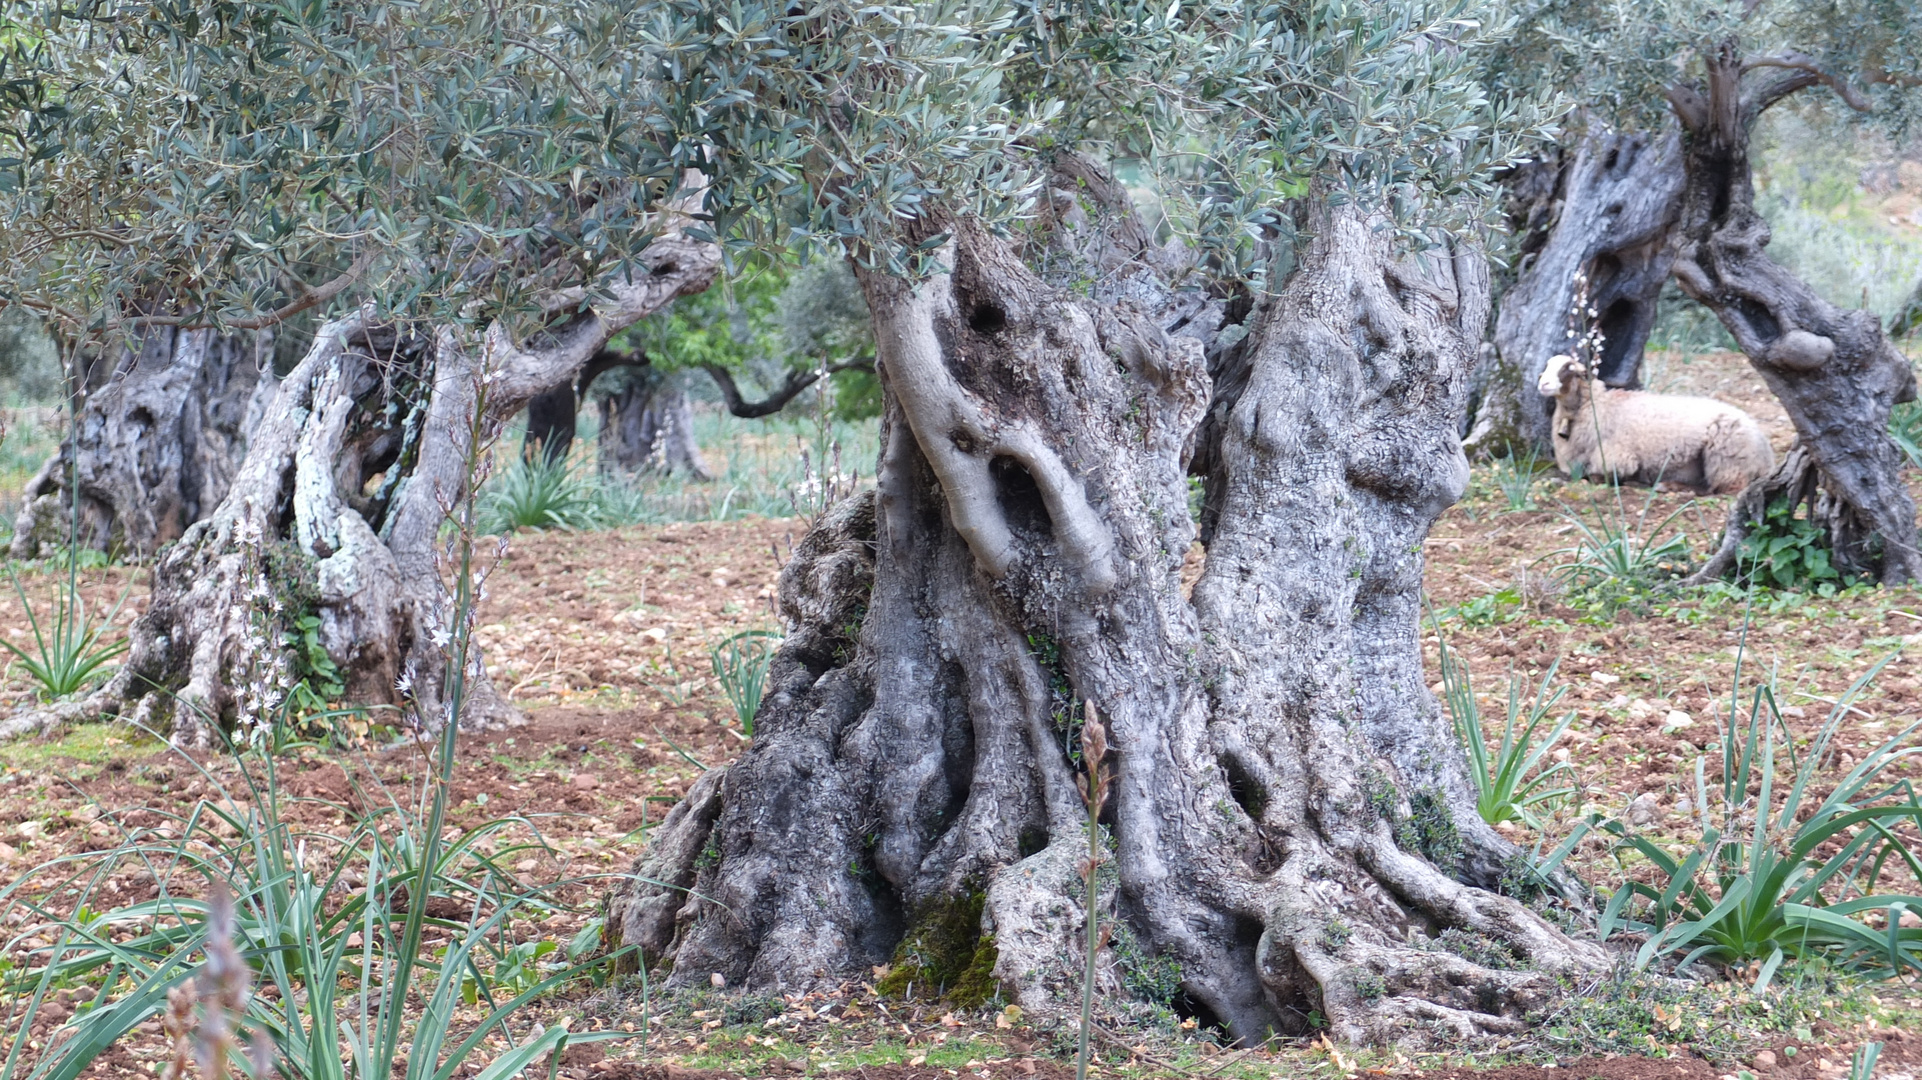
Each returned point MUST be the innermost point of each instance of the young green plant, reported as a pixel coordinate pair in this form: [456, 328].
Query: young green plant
[69, 651]
[1515, 476]
[1505, 790]
[740, 666]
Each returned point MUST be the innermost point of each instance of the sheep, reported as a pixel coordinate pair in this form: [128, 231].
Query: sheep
[1692, 443]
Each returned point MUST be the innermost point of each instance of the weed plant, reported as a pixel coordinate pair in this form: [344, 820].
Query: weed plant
[1768, 880]
[1507, 784]
[1789, 553]
[740, 666]
[69, 651]
[537, 493]
[1515, 477]
[1620, 562]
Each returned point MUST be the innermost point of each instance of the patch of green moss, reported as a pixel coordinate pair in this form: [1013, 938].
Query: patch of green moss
[1430, 829]
[86, 745]
[1151, 978]
[945, 955]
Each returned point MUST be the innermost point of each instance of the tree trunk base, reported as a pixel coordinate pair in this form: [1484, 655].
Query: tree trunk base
[295, 536]
[648, 426]
[1291, 830]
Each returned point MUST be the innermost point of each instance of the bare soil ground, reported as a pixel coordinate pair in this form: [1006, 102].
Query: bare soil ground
[603, 638]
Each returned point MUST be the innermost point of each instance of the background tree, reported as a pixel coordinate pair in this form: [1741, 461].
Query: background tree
[784, 328]
[1288, 799]
[1712, 69]
[481, 207]
[163, 422]
[1593, 224]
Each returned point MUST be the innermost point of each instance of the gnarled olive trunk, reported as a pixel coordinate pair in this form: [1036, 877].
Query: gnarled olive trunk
[337, 512]
[1834, 371]
[1607, 250]
[157, 441]
[648, 425]
[1290, 823]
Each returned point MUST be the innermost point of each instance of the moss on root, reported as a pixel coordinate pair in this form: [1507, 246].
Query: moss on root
[945, 955]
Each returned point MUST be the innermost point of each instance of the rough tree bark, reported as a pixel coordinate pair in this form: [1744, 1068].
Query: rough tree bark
[1834, 371]
[648, 425]
[1290, 821]
[351, 474]
[1614, 203]
[552, 414]
[159, 436]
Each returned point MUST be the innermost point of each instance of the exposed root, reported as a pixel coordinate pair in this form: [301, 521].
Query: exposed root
[1035, 911]
[1453, 904]
[646, 911]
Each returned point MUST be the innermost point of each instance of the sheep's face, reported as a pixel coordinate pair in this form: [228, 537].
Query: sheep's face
[1559, 376]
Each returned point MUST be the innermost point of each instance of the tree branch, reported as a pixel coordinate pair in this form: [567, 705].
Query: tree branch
[1810, 73]
[1690, 107]
[797, 381]
[313, 297]
[603, 362]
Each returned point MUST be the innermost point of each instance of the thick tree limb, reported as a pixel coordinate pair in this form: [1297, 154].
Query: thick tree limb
[1811, 71]
[797, 381]
[309, 298]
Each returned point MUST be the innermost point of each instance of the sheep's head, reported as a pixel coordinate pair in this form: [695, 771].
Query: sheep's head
[1560, 375]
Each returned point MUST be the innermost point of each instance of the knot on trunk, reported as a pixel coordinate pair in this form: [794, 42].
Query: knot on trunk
[825, 587]
[1800, 350]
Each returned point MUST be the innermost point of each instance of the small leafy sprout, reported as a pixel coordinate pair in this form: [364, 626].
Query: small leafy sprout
[68, 652]
[1515, 477]
[1507, 784]
[740, 665]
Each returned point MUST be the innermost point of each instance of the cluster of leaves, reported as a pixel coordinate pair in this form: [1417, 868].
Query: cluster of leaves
[537, 493]
[1620, 60]
[1509, 782]
[1784, 551]
[740, 665]
[768, 319]
[69, 650]
[1620, 562]
[1766, 881]
[1500, 606]
[217, 162]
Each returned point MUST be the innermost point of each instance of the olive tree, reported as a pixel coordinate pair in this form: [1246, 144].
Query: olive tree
[1639, 207]
[475, 206]
[1291, 823]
